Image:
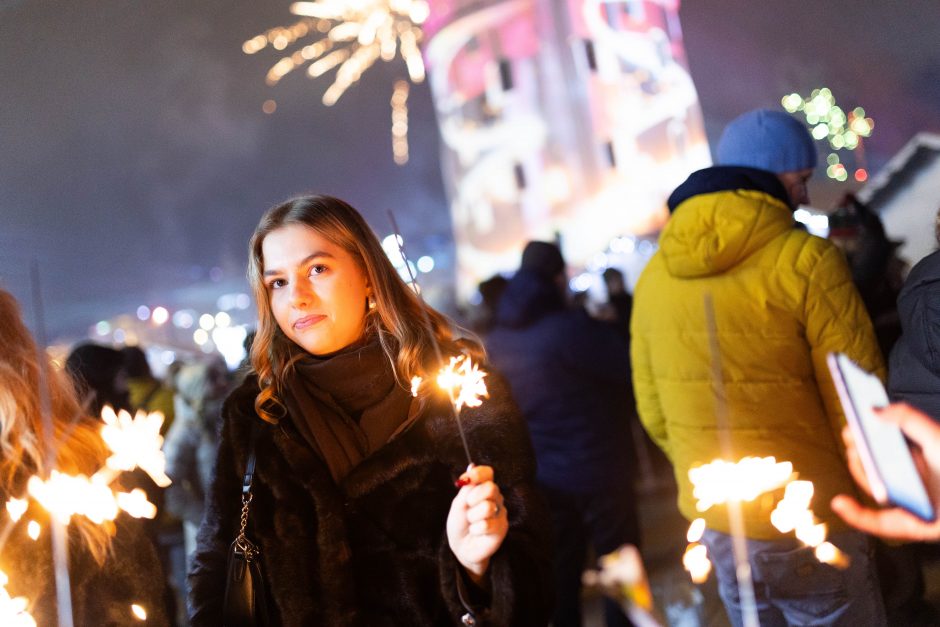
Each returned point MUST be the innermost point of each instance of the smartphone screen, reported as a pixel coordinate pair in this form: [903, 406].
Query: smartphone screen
[883, 451]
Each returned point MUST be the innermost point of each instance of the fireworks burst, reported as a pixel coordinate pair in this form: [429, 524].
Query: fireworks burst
[829, 122]
[348, 36]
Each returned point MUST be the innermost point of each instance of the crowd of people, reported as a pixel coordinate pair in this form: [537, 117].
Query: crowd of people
[327, 482]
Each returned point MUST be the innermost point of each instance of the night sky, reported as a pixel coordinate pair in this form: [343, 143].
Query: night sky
[135, 157]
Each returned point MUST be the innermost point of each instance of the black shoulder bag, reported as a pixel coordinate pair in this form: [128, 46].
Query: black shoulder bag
[244, 604]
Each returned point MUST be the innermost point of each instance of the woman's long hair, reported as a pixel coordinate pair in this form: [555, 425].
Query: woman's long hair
[397, 318]
[25, 376]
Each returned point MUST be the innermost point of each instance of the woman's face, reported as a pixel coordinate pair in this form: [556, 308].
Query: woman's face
[317, 290]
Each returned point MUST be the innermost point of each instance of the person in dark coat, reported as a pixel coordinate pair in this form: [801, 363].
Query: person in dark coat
[914, 367]
[99, 376]
[570, 375]
[110, 567]
[354, 505]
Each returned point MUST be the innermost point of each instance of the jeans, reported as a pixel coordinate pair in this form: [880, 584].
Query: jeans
[791, 587]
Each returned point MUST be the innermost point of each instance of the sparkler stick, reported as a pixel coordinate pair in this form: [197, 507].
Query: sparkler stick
[735, 516]
[400, 241]
[59, 534]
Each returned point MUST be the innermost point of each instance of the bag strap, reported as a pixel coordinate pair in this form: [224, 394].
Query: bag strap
[241, 541]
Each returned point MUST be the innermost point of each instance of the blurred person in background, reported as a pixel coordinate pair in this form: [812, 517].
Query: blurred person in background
[111, 566]
[192, 443]
[99, 373]
[570, 375]
[619, 301]
[732, 271]
[491, 290]
[99, 376]
[146, 392]
[876, 269]
[914, 366]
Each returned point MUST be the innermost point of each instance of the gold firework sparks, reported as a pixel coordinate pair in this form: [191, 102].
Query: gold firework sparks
[349, 36]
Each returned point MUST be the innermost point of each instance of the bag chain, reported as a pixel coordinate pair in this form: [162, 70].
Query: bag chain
[246, 546]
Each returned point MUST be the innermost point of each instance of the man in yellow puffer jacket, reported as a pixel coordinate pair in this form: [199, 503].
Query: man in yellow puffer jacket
[782, 300]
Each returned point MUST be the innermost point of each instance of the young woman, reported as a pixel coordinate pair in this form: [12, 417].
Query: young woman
[354, 507]
[111, 567]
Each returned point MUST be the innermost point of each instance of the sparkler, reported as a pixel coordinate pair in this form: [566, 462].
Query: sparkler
[134, 443]
[461, 379]
[746, 595]
[623, 577]
[13, 610]
[350, 36]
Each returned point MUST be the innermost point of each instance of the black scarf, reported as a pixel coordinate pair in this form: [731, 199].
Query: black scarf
[348, 405]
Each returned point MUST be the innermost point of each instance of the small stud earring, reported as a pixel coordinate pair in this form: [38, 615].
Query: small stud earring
[371, 302]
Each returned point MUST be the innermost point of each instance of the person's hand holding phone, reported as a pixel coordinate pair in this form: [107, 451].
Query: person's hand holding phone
[894, 522]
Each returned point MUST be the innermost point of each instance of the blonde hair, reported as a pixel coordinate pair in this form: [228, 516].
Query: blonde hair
[398, 318]
[25, 375]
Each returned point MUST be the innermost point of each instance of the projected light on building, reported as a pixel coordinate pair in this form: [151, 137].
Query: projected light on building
[569, 118]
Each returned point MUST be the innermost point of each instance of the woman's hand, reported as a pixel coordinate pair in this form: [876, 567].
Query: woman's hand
[477, 522]
[896, 523]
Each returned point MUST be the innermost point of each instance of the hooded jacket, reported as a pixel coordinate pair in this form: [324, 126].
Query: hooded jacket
[372, 550]
[570, 375]
[782, 299]
[915, 361]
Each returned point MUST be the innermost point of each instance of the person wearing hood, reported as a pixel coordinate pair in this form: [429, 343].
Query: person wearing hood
[780, 300]
[570, 376]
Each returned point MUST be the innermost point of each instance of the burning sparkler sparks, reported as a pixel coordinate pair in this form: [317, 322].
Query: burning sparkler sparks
[350, 37]
[721, 481]
[695, 560]
[793, 514]
[16, 508]
[13, 610]
[463, 381]
[136, 443]
[139, 612]
[623, 577]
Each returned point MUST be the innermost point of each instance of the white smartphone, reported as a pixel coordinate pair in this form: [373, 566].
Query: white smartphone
[884, 453]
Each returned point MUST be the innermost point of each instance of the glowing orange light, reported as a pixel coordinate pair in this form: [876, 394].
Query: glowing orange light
[463, 380]
[16, 508]
[13, 610]
[695, 560]
[861, 175]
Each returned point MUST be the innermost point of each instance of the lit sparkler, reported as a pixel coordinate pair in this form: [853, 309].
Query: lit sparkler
[623, 577]
[463, 381]
[136, 443]
[139, 612]
[16, 508]
[722, 481]
[13, 609]
[793, 514]
[349, 36]
[695, 559]
[461, 378]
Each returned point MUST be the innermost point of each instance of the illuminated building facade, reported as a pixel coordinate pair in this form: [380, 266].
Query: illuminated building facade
[559, 118]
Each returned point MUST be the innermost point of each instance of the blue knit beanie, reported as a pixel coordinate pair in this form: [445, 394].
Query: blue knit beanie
[767, 140]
